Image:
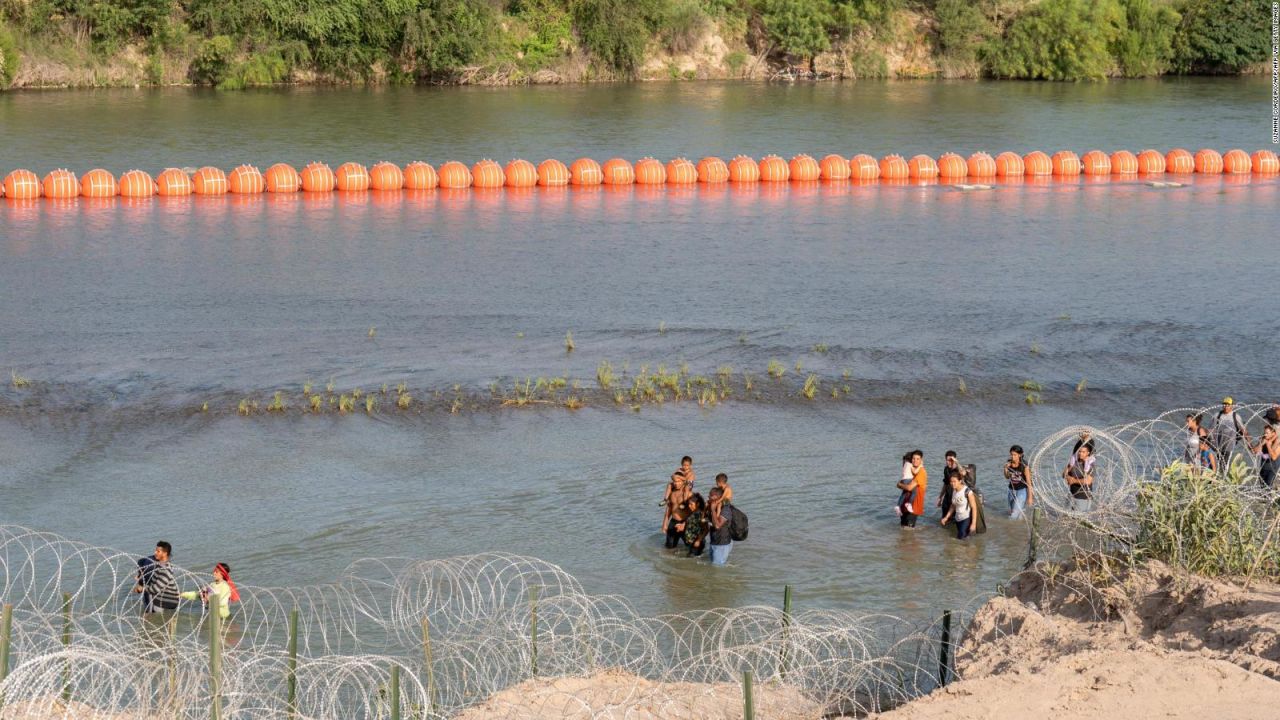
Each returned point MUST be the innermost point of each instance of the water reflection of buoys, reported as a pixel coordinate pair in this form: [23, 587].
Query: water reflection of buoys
[1065, 163]
[1265, 162]
[774, 169]
[586, 172]
[1236, 162]
[22, 185]
[209, 180]
[98, 183]
[894, 167]
[617, 171]
[61, 185]
[1179, 162]
[803, 168]
[981, 165]
[743, 169]
[137, 184]
[1009, 164]
[1208, 161]
[173, 182]
[419, 175]
[1037, 163]
[864, 168]
[952, 167]
[351, 177]
[1096, 162]
[317, 177]
[1150, 162]
[834, 167]
[454, 175]
[521, 174]
[487, 174]
[922, 167]
[282, 178]
[386, 176]
[681, 171]
[1123, 162]
[650, 172]
[553, 173]
[712, 169]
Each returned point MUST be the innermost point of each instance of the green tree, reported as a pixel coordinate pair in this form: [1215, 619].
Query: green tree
[8, 56]
[444, 35]
[1145, 47]
[962, 30]
[1222, 36]
[798, 27]
[1059, 40]
[616, 31]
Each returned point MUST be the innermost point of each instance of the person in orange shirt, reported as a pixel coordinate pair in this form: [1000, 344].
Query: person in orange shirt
[914, 490]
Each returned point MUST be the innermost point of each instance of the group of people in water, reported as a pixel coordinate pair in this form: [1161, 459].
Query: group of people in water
[156, 583]
[702, 524]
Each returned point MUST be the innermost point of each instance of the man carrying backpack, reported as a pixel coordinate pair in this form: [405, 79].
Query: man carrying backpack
[721, 514]
[1227, 430]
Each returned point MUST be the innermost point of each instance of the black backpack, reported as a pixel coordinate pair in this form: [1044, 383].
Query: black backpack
[737, 524]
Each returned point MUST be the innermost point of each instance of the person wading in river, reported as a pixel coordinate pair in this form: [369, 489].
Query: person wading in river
[1079, 477]
[1018, 473]
[720, 515]
[951, 468]
[963, 506]
[686, 471]
[677, 509]
[914, 490]
[156, 583]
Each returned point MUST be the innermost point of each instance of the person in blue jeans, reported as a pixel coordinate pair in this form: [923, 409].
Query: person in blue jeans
[1018, 473]
[720, 513]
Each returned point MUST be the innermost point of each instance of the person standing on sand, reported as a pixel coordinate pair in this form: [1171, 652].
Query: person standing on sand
[720, 514]
[914, 490]
[677, 510]
[963, 505]
[156, 583]
[1021, 492]
[1268, 451]
[1079, 477]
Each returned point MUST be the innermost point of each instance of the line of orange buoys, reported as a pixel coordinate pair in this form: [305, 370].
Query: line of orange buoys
[317, 177]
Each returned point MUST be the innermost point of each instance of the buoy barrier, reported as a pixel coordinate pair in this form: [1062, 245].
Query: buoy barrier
[802, 170]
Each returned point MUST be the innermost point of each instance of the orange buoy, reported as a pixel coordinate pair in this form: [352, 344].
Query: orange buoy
[99, 184]
[1096, 162]
[209, 180]
[617, 171]
[246, 180]
[420, 176]
[521, 174]
[1037, 163]
[1265, 162]
[136, 184]
[650, 172]
[282, 178]
[585, 171]
[386, 176]
[172, 182]
[1237, 162]
[454, 175]
[743, 169]
[803, 168]
[1150, 162]
[351, 177]
[864, 168]
[1009, 164]
[487, 174]
[981, 165]
[1124, 162]
[894, 167]
[1065, 163]
[22, 185]
[681, 171]
[712, 169]
[61, 185]
[317, 177]
[1179, 161]
[922, 167]
[552, 173]
[952, 167]
[1207, 162]
[834, 167]
[774, 169]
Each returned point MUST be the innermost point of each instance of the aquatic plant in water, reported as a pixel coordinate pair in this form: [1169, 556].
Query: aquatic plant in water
[810, 386]
[775, 369]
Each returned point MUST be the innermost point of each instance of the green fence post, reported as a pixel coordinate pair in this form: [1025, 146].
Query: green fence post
[291, 675]
[215, 656]
[431, 670]
[6, 634]
[1033, 545]
[748, 702]
[945, 649]
[395, 692]
[533, 629]
[786, 629]
[66, 644]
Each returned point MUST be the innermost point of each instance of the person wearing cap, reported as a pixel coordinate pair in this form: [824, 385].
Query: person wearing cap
[221, 588]
[1227, 430]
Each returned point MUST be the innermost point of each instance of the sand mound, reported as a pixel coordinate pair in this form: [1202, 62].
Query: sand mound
[616, 694]
[1087, 641]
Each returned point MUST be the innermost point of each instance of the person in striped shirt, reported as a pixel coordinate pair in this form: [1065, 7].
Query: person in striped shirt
[156, 582]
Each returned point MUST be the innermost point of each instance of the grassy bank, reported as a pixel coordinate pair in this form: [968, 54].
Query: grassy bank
[262, 42]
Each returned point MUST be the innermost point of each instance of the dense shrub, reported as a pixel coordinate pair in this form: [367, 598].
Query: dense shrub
[1145, 46]
[797, 27]
[1059, 40]
[1222, 36]
[8, 56]
[962, 30]
[617, 31]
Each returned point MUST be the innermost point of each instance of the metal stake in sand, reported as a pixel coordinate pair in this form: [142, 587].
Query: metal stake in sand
[6, 631]
[291, 675]
[786, 629]
[395, 692]
[945, 650]
[431, 670]
[748, 701]
[533, 629]
[66, 644]
[215, 656]
[1035, 529]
